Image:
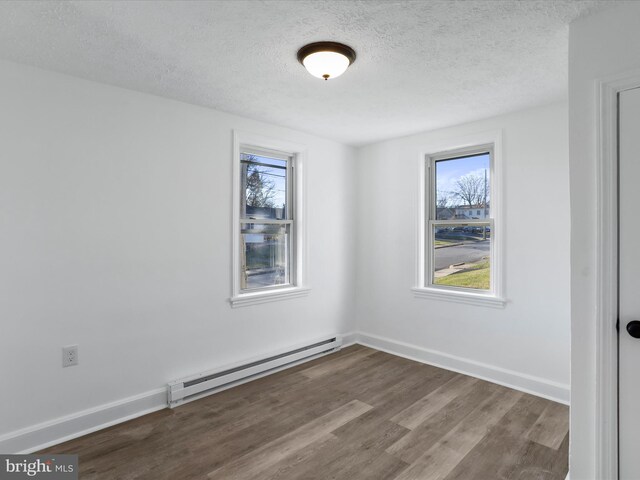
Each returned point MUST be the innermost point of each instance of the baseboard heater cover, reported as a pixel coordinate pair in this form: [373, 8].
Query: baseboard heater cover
[207, 383]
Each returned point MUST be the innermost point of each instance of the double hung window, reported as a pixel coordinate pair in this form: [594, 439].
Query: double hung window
[459, 226]
[266, 220]
[459, 254]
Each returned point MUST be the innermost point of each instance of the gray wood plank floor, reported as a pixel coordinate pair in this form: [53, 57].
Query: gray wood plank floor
[355, 414]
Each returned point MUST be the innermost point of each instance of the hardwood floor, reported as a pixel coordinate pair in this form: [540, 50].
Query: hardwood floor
[355, 414]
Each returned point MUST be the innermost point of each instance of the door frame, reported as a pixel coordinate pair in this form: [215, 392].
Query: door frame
[606, 447]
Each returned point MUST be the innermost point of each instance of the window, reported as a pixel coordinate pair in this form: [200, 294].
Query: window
[268, 227]
[460, 249]
[266, 218]
[459, 259]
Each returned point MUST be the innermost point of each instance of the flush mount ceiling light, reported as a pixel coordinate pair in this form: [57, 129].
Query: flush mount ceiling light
[326, 59]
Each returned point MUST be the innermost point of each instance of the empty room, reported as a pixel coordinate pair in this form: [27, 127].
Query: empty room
[331, 239]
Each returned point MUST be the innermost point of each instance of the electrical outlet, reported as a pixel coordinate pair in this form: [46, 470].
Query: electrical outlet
[70, 356]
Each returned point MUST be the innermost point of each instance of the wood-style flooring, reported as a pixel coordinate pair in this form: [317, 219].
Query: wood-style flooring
[355, 414]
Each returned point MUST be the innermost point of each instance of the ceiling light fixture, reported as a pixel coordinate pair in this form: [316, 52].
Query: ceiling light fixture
[326, 59]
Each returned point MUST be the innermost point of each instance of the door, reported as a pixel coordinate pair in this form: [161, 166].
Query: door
[629, 271]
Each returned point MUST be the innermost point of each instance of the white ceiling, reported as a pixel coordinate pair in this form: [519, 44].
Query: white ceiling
[421, 64]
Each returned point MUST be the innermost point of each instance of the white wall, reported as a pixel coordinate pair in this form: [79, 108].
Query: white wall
[601, 45]
[115, 234]
[527, 343]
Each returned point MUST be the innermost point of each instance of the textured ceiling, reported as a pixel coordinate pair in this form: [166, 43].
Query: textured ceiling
[421, 64]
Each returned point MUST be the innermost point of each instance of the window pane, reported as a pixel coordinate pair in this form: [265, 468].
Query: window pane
[461, 256]
[265, 255]
[463, 187]
[264, 187]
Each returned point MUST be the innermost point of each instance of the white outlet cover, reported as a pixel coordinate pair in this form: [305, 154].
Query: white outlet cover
[70, 355]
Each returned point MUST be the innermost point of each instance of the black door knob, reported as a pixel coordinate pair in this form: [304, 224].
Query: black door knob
[633, 328]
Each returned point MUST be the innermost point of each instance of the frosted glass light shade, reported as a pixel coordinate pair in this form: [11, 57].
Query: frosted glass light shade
[326, 59]
[326, 64]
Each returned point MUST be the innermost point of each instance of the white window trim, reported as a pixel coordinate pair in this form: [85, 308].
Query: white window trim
[496, 297]
[299, 250]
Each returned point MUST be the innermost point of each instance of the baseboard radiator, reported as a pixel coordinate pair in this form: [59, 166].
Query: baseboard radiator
[207, 383]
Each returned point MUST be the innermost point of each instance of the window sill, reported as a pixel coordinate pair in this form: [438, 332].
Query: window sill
[246, 299]
[468, 298]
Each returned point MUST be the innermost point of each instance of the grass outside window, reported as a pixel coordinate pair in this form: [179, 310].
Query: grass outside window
[477, 276]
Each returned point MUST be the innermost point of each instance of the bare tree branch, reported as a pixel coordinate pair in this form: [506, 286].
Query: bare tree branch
[260, 189]
[443, 199]
[470, 190]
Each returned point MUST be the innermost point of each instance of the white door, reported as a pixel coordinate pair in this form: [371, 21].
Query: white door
[629, 306]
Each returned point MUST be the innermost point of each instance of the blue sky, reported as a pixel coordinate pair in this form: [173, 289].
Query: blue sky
[449, 171]
[275, 174]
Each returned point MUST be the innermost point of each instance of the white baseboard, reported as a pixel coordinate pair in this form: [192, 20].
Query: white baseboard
[43, 435]
[558, 392]
[348, 339]
[46, 434]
